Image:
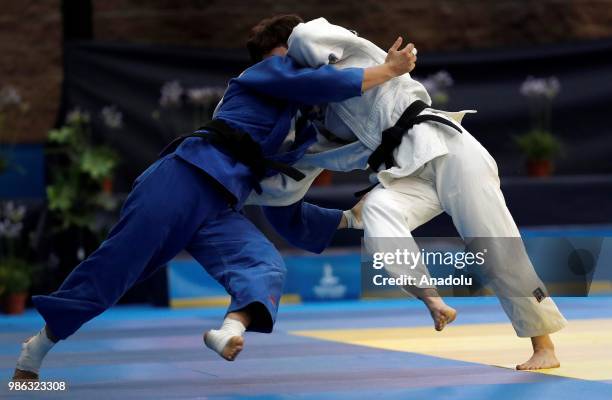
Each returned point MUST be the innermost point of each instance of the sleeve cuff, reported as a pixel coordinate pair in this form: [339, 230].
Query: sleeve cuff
[328, 229]
[355, 80]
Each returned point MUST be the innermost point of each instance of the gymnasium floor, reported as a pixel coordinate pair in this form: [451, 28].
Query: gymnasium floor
[351, 350]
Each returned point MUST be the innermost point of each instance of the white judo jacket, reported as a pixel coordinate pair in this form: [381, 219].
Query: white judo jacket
[318, 42]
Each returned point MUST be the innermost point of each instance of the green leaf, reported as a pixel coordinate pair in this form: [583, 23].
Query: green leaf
[15, 275]
[61, 136]
[98, 162]
[440, 98]
[61, 196]
[539, 145]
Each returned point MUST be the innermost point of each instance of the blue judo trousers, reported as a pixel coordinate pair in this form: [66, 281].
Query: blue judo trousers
[172, 207]
[181, 202]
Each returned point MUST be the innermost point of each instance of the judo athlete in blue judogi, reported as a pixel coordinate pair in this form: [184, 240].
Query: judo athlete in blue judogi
[191, 199]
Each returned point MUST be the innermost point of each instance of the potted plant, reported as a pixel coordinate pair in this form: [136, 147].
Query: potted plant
[15, 273]
[539, 146]
[78, 191]
[15, 278]
[81, 180]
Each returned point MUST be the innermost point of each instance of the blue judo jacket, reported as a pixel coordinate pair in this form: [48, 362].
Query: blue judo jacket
[262, 101]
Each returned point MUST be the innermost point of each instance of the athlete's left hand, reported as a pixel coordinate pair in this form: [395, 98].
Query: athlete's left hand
[352, 218]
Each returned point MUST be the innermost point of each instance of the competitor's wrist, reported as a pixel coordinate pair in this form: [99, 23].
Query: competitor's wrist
[390, 71]
[377, 75]
[351, 220]
[343, 224]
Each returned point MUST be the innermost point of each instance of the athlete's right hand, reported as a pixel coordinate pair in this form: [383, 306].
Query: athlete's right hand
[400, 61]
[356, 210]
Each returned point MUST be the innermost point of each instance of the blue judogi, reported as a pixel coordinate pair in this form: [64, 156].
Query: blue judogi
[262, 101]
[177, 204]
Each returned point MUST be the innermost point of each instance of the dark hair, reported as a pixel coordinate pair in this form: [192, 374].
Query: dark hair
[270, 33]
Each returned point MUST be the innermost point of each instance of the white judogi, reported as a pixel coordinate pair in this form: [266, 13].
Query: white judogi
[438, 169]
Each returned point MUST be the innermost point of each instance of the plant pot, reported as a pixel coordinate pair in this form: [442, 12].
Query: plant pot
[324, 179]
[539, 168]
[14, 303]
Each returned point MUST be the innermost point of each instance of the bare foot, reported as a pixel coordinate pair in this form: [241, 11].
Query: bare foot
[543, 355]
[21, 375]
[442, 315]
[232, 348]
[541, 359]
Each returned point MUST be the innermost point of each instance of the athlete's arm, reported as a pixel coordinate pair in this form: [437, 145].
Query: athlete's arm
[317, 42]
[283, 78]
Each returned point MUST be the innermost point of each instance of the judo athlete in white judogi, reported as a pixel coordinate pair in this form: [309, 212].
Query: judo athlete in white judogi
[426, 164]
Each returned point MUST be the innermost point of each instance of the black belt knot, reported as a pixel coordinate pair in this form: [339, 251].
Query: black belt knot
[392, 137]
[240, 146]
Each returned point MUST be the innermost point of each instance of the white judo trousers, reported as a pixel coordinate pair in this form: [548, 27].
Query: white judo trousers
[464, 183]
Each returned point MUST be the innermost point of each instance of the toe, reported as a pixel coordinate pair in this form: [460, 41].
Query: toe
[523, 367]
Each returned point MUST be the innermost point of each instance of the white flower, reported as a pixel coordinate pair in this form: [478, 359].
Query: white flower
[9, 96]
[204, 95]
[112, 117]
[77, 116]
[171, 93]
[14, 213]
[80, 253]
[12, 231]
[443, 79]
[553, 88]
[438, 82]
[540, 87]
[198, 95]
[436, 86]
[532, 87]
[11, 220]
[430, 85]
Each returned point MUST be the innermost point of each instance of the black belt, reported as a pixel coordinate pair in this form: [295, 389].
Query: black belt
[241, 147]
[392, 137]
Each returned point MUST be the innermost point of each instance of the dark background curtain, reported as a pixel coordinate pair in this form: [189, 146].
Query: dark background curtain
[130, 77]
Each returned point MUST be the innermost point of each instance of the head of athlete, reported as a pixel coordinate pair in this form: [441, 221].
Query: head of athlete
[269, 37]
